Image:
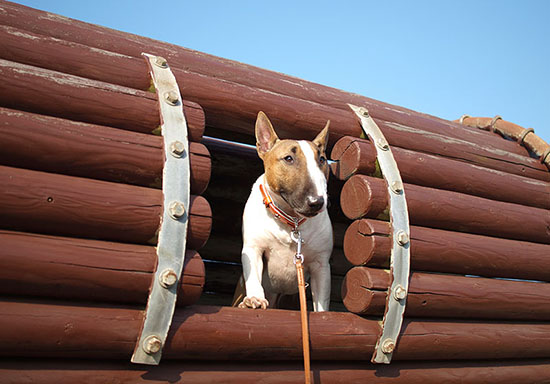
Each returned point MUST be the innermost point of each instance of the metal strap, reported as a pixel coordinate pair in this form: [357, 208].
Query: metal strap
[173, 230]
[400, 259]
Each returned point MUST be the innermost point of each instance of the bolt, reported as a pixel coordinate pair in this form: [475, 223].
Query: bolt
[152, 344]
[177, 148]
[388, 346]
[382, 144]
[399, 293]
[397, 186]
[160, 62]
[168, 277]
[364, 111]
[176, 210]
[171, 97]
[402, 238]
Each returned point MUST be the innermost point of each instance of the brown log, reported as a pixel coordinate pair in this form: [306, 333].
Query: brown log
[51, 144]
[63, 205]
[73, 31]
[201, 77]
[86, 100]
[451, 296]
[41, 371]
[368, 196]
[367, 242]
[358, 156]
[32, 329]
[68, 268]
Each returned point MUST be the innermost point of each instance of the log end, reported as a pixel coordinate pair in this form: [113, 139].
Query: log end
[357, 295]
[353, 156]
[363, 196]
[365, 245]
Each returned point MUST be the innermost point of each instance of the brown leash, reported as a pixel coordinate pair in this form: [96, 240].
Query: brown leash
[298, 260]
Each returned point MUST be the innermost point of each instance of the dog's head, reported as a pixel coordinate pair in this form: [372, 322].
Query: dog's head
[296, 170]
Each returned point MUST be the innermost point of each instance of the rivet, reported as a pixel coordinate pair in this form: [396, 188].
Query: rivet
[402, 237]
[152, 344]
[399, 293]
[177, 148]
[364, 111]
[168, 277]
[171, 97]
[396, 186]
[382, 144]
[176, 210]
[160, 62]
[388, 346]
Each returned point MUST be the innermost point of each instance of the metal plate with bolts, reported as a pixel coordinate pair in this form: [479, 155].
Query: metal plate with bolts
[172, 236]
[400, 254]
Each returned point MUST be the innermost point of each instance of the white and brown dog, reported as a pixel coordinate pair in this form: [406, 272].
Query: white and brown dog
[291, 195]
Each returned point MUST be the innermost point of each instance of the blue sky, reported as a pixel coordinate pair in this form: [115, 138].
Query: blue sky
[445, 58]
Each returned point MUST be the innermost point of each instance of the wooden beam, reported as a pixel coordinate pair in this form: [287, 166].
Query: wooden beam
[364, 291]
[90, 270]
[71, 206]
[62, 146]
[368, 196]
[367, 242]
[358, 156]
[32, 329]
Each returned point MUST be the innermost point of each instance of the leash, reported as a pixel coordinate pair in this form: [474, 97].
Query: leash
[296, 236]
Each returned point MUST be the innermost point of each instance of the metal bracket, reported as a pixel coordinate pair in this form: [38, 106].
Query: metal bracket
[400, 254]
[172, 236]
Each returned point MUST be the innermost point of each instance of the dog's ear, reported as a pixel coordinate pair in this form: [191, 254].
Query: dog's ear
[321, 140]
[265, 134]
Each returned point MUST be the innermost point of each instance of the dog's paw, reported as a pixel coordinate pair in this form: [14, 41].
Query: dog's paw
[254, 302]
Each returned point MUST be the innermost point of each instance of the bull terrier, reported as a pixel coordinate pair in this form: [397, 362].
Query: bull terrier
[288, 200]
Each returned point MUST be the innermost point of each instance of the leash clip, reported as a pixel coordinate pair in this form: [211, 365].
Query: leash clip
[296, 236]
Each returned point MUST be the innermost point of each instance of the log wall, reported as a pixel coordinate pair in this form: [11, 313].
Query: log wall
[80, 172]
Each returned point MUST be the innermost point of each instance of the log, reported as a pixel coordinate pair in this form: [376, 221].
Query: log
[56, 145]
[37, 329]
[201, 77]
[90, 101]
[64, 205]
[452, 296]
[358, 156]
[367, 242]
[73, 31]
[205, 372]
[91, 270]
[368, 196]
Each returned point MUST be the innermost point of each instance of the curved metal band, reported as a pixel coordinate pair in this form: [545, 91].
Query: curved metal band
[172, 237]
[400, 259]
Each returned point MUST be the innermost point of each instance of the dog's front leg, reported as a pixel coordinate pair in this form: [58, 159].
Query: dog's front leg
[320, 285]
[251, 258]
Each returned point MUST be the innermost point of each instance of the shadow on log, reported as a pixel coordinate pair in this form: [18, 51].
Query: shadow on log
[368, 196]
[71, 206]
[67, 268]
[77, 149]
[364, 291]
[367, 242]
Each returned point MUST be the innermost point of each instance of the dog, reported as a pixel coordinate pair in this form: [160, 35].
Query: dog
[290, 196]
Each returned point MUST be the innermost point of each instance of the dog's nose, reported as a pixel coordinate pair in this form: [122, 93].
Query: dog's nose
[315, 202]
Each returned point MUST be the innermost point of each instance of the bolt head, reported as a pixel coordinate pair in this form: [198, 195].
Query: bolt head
[177, 148]
[176, 210]
[402, 238]
[160, 62]
[171, 97]
[168, 277]
[363, 111]
[382, 144]
[152, 344]
[399, 293]
[397, 186]
[388, 346]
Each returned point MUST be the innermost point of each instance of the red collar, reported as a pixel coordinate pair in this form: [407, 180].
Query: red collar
[294, 222]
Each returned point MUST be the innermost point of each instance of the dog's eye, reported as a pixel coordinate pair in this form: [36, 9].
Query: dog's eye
[322, 160]
[289, 159]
